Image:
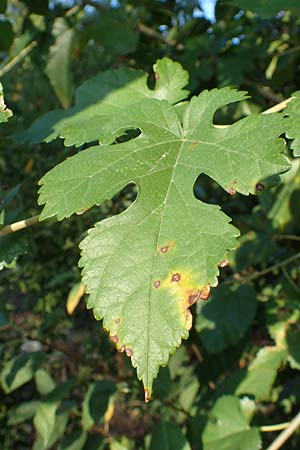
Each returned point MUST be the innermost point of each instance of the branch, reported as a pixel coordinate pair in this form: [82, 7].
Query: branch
[276, 427]
[13, 62]
[244, 279]
[12, 228]
[283, 437]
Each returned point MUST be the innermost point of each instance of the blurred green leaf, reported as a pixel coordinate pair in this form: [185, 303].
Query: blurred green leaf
[224, 320]
[96, 402]
[74, 441]
[12, 246]
[5, 113]
[22, 412]
[20, 370]
[227, 428]
[44, 382]
[59, 427]
[58, 68]
[168, 436]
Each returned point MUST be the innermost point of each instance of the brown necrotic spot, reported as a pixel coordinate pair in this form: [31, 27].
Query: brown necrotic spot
[260, 187]
[121, 349]
[157, 284]
[147, 395]
[164, 249]
[115, 339]
[128, 352]
[176, 277]
[224, 263]
[231, 191]
[117, 321]
[201, 294]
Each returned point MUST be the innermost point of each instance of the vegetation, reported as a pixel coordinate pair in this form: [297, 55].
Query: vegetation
[169, 143]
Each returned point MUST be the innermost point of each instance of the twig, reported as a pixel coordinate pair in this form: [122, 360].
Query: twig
[154, 34]
[7, 67]
[269, 269]
[289, 237]
[17, 226]
[276, 427]
[283, 437]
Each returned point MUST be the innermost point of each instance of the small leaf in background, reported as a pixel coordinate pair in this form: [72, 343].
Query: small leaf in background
[11, 247]
[293, 346]
[293, 130]
[268, 8]
[5, 113]
[166, 436]
[94, 442]
[258, 378]
[96, 402]
[44, 382]
[58, 67]
[22, 412]
[6, 35]
[74, 441]
[20, 370]
[59, 428]
[74, 297]
[45, 417]
[227, 428]
[3, 5]
[224, 320]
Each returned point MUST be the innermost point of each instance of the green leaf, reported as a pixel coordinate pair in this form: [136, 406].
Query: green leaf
[268, 8]
[227, 428]
[104, 97]
[60, 425]
[58, 67]
[20, 370]
[6, 35]
[224, 320]
[293, 128]
[5, 113]
[3, 4]
[168, 436]
[115, 33]
[96, 402]
[258, 378]
[12, 246]
[44, 382]
[74, 441]
[293, 346]
[22, 412]
[45, 417]
[145, 267]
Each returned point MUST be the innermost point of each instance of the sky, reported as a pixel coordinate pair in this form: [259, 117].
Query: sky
[208, 7]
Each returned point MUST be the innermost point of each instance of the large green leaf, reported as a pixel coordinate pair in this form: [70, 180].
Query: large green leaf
[104, 97]
[268, 8]
[227, 428]
[293, 129]
[58, 67]
[147, 266]
[5, 113]
[226, 317]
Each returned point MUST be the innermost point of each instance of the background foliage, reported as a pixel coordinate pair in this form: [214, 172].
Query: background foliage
[63, 384]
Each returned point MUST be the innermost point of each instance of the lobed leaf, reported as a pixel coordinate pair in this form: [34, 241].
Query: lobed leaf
[146, 267]
[5, 113]
[293, 129]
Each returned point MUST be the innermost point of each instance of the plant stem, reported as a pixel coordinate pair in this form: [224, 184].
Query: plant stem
[260, 273]
[7, 67]
[284, 435]
[277, 427]
[12, 228]
[289, 237]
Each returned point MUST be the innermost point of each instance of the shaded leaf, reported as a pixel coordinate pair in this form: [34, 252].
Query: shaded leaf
[227, 428]
[293, 128]
[22, 412]
[5, 113]
[168, 436]
[74, 441]
[20, 370]
[11, 247]
[225, 318]
[258, 378]
[45, 417]
[96, 402]
[58, 67]
[293, 346]
[268, 8]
